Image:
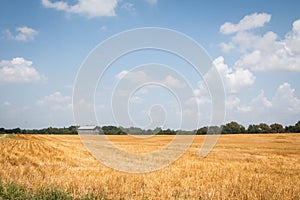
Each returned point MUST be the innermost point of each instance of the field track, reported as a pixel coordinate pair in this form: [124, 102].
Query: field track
[240, 167]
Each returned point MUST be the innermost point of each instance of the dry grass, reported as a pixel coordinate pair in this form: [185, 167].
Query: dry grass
[239, 167]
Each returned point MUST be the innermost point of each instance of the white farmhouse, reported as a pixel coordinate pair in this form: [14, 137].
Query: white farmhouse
[88, 130]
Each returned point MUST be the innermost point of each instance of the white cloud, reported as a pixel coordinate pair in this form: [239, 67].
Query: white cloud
[261, 101]
[142, 91]
[233, 104]
[285, 98]
[170, 81]
[254, 20]
[200, 100]
[56, 101]
[265, 52]
[55, 97]
[136, 100]
[199, 106]
[58, 107]
[268, 53]
[90, 8]
[122, 74]
[18, 70]
[283, 107]
[132, 76]
[58, 5]
[246, 41]
[6, 104]
[233, 79]
[23, 34]
[82, 111]
[227, 47]
[292, 39]
[122, 92]
[142, 77]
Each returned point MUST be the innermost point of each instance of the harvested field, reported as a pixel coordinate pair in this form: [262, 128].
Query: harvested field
[260, 166]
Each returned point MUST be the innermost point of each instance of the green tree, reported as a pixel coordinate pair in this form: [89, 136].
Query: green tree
[2, 130]
[214, 130]
[293, 129]
[134, 131]
[252, 128]
[276, 128]
[16, 130]
[112, 130]
[297, 127]
[233, 127]
[264, 128]
[167, 132]
[202, 131]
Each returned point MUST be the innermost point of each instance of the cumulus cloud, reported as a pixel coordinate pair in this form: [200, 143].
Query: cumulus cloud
[23, 34]
[285, 98]
[261, 101]
[132, 76]
[233, 79]
[264, 52]
[227, 47]
[55, 97]
[292, 39]
[200, 100]
[89, 8]
[170, 81]
[283, 107]
[233, 104]
[56, 101]
[18, 70]
[127, 80]
[121, 75]
[254, 20]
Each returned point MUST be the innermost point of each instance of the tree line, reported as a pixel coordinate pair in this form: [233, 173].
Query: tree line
[229, 128]
[49, 130]
[234, 128]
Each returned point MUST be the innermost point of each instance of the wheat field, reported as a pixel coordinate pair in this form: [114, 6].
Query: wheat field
[265, 166]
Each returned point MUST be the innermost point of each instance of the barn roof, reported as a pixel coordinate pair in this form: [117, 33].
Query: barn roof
[87, 127]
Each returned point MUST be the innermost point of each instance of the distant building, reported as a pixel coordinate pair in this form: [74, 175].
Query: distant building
[88, 130]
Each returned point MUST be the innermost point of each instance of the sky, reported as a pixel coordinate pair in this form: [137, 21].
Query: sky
[254, 45]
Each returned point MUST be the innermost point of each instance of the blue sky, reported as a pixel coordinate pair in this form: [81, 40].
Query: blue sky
[255, 46]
